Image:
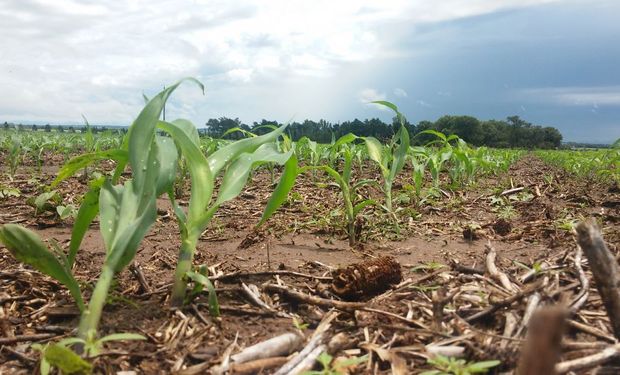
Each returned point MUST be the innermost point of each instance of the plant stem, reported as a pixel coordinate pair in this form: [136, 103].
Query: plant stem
[388, 205]
[186, 257]
[351, 230]
[91, 316]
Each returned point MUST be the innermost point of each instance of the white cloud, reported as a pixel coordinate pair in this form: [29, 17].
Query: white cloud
[369, 95]
[422, 103]
[240, 75]
[67, 57]
[401, 93]
[593, 96]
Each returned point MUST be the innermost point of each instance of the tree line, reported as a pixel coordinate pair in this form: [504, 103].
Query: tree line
[512, 132]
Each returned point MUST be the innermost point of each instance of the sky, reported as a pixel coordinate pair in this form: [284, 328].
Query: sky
[554, 63]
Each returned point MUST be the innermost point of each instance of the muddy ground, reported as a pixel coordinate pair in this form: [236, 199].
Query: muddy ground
[527, 228]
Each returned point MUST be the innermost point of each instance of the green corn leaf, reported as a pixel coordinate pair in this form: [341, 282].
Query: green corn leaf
[279, 195]
[361, 205]
[110, 199]
[85, 216]
[237, 129]
[375, 151]
[142, 135]
[27, 247]
[167, 160]
[362, 183]
[66, 360]
[121, 337]
[225, 155]
[483, 366]
[125, 220]
[387, 104]
[347, 138]
[214, 306]
[237, 173]
[80, 162]
[400, 155]
[188, 128]
[42, 202]
[200, 173]
[178, 211]
[439, 135]
[64, 212]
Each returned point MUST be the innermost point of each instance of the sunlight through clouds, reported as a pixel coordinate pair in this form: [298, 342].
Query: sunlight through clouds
[310, 57]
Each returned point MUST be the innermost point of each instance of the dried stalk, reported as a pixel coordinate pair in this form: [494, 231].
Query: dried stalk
[604, 270]
[543, 346]
[495, 273]
[274, 347]
[588, 361]
[582, 297]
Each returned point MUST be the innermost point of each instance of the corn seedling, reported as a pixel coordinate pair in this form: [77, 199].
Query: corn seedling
[390, 158]
[454, 366]
[58, 355]
[126, 211]
[343, 180]
[235, 161]
[330, 366]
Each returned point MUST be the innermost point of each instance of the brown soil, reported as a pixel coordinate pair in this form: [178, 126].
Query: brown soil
[306, 236]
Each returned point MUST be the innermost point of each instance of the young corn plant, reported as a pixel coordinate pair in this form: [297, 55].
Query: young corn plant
[390, 158]
[352, 206]
[126, 211]
[418, 159]
[14, 156]
[438, 153]
[235, 161]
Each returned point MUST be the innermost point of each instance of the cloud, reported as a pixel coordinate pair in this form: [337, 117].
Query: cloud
[368, 95]
[594, 96]
[240, 75]
[401, 93]
[67, 57]
[422, 103]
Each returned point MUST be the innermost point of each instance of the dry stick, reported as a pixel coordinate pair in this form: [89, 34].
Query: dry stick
[308, 362]
[505, 302]
[312, 345]
[237, 275]
[512, 191]
[22, 338]
[591, 331]
[397, 317]
[585, 284]
[543, 346]
[530, 309]
[340, 305]
[458, 267]
[258, 366]
[588, 361]
[406, 284]
[136, 269]
[509, 327]
[440, 300]
[253, 294]
[496, 274]
[22, 357]
[274, 347]
[604, 270]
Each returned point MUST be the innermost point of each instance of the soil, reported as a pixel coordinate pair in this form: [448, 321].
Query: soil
[306, 236]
